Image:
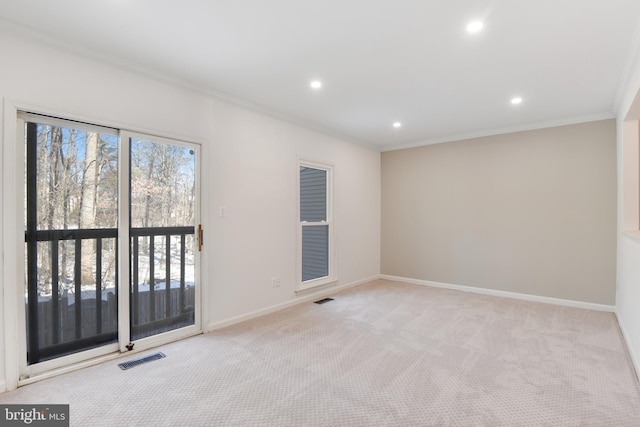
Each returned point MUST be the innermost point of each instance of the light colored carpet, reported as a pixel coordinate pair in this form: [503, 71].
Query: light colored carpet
[384, 353]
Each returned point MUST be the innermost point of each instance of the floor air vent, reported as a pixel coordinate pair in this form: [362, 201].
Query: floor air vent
[322, 301]
[135, 362]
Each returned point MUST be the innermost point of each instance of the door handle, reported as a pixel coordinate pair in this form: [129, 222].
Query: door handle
[200, 237]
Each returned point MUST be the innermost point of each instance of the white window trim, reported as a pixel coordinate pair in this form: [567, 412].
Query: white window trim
[331, 222]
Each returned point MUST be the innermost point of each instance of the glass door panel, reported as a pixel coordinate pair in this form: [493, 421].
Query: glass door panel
[163, 240]
[71, 235]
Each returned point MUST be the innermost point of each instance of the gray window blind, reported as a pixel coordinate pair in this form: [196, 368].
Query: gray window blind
[313, 194]
[313, 209]
[315, 252]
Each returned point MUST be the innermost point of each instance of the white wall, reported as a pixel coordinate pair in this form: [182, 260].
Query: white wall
[255, 175]
[628, 268]
[249, 164]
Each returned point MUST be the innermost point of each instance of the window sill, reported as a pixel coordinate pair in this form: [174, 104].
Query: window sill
[635, 234]
[313, 284]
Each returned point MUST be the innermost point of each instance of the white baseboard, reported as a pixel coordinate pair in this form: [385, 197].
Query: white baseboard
[504, 294]
[301, 298]
[634, 357]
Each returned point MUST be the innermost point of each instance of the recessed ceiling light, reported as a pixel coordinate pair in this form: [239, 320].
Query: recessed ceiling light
[316, 84]
[516, 100]
[475, 26]
[397, 124]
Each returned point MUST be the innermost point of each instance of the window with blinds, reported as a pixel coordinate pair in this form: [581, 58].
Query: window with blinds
[315, 225]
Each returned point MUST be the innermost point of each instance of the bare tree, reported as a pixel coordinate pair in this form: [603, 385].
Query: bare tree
[88, 204]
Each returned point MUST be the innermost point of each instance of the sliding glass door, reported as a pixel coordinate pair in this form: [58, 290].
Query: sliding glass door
[162, 230]
[71, 237]
[110, 240]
